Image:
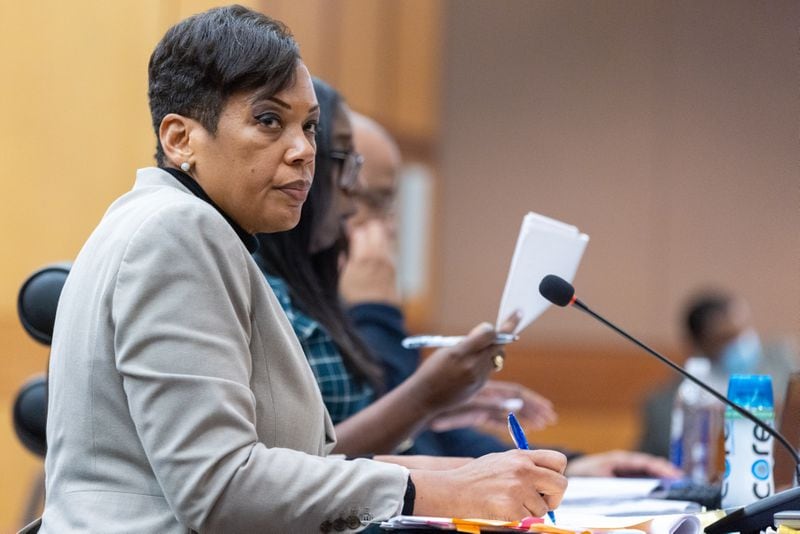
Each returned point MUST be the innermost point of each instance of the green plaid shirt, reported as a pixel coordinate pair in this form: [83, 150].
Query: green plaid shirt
[343, 394]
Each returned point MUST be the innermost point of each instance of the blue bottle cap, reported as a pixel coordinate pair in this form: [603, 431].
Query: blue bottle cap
[751, 391]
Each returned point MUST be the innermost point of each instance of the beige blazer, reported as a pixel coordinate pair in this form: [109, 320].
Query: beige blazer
[180, 398]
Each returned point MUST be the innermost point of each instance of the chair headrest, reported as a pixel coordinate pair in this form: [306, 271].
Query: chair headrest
[30, 415]
[38, 300]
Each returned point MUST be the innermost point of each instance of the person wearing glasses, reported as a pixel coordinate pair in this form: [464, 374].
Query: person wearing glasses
[179, 396]
[368, 286]
[302, 267]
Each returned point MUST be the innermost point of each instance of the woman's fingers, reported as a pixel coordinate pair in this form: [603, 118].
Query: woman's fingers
[511, 322]
[508, 485]
[478, 339]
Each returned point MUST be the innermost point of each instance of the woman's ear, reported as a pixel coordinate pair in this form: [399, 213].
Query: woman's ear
[174, 134]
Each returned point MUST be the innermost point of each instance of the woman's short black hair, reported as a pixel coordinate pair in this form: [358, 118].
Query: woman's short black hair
[206, 58]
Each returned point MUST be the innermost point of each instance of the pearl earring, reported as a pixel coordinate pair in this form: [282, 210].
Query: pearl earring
[185, 166]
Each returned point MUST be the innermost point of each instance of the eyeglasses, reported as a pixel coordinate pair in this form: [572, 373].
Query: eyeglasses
[351, 165]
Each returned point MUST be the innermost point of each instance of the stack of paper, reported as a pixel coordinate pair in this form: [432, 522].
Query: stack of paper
[593, 496]
[584, 490]
[652, 524]
[590, 505]
[567, 524]
[474, 526]
[544, 246]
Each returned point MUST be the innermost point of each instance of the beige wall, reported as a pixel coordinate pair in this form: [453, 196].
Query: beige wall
[668, 131]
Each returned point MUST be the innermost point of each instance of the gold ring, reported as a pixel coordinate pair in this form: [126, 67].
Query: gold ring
[498, 360]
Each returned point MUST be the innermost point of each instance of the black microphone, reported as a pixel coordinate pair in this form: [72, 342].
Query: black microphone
[561, 293]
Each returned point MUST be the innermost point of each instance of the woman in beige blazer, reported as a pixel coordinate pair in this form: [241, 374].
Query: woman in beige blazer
[180, 399]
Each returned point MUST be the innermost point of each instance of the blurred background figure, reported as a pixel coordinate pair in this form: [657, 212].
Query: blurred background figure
[717, 326]
[368, 285]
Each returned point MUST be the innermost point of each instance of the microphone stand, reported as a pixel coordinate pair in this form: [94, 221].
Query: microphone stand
[725, 400]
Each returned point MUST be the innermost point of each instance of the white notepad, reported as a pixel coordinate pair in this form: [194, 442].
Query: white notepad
[544, 246]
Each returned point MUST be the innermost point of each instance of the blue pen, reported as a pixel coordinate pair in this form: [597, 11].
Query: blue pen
[519, 440]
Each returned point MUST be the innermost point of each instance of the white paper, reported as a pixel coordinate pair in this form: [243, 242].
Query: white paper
[544, 246]
[566, 520]
[660, 524]
[619, 497]
[591, 489]
[630, 507]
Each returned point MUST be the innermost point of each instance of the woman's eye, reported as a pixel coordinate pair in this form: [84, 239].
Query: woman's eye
[270, 120]
[312, 127]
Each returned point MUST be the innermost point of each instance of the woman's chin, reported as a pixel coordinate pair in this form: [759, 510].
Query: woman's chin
[286, 221]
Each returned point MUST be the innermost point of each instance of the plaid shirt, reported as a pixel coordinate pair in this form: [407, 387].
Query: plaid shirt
[343, 394]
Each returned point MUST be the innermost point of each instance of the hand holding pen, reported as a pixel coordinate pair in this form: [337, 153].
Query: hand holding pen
[451, 375]
[508, 486]
[504, 336]
[521, 442]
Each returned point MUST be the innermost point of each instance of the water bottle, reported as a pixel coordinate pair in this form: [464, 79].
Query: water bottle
[748, 448]
[696, 426]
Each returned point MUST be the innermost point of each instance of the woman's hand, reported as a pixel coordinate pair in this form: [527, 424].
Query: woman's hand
[622, 464]
[450, 376]
[446, 378]
[491, 404]
[509, 486]
[369, 273]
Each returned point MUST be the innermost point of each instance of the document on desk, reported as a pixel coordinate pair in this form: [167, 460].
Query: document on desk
[652, 524]
[590, 505]
[544, 246]
[568, 523]
[619, 497]
[587, 490]
[475, 526]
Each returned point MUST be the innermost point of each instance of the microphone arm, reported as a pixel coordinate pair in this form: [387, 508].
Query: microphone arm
[772, 432]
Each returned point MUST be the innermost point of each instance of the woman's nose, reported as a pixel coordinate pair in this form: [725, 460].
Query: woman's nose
[301, 149]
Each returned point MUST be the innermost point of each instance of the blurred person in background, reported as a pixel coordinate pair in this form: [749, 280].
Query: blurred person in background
[718, 326]
[368, 285]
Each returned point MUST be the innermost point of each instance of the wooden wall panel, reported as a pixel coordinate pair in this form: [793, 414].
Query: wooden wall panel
[416, 71]
[384, 56]
[362, 54]
[76, 126]
[313, 25]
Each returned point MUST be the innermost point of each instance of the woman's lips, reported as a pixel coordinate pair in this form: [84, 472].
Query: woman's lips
[297, 190]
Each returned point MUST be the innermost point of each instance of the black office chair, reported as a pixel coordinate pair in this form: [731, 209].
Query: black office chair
[30, 415]
[38, 299]
[36, 306]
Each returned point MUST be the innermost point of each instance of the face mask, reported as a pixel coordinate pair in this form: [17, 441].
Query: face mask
[742, 355]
